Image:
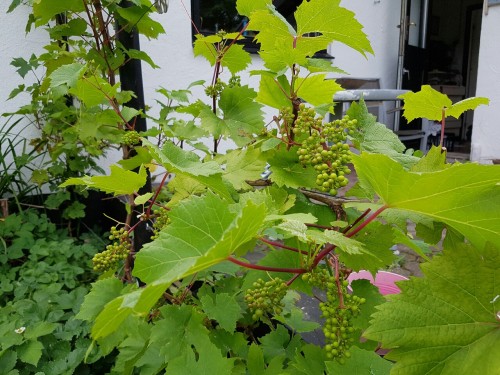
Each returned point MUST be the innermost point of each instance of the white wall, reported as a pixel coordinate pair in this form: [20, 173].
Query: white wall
[486, 127]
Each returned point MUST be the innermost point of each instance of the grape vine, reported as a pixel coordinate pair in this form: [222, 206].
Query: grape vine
[265, 297]
[115, 252]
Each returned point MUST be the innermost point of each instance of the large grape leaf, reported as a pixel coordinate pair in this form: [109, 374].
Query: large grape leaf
[362, 362]
[177, 160]
[242, 116]
[464, 196]
[429, 103]
[203, 232]
[243, 165]
[287, 171]
[376, 137]
[316, 89]
[445, 322]
[319, 22]
[44, 10]
[119, 181]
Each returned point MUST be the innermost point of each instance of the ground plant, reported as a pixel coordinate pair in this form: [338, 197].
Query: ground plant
[240, 238]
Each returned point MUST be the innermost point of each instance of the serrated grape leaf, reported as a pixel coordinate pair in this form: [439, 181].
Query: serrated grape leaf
[119, 182]
[255, 360]
[204, 46]
[236, 58]
[376, 137]
[203, 232]
[316, 89]
[310, 360]
[429, 103]
[271, 93]
[179, 161]
[292, 228]
[242, 165]
[67, 75]
[464, 196]
[282, 45]
[243, 116]
[419, 247]
[138, 17]
[287, 171]
[142, 199]
[323, 66]
[224, 309]
[364, 289]
[343, 243]
[445, 322]
[362, 362]
[279, 343]
[377, 240]
[295, 321]
[45, 10]
[93, 90]
[184, 187]
[433, 161]
[246, 7]
[102, 292]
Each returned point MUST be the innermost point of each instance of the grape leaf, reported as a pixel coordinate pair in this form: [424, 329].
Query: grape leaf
[343, 243]
[243, 165]
[464, 196]
[67, 75]
[272, 93]
[319, 22]
[138, 17]
[102, 292]
[93, 91]
[119, 182]
[309, 360]
[376, 137]
[362, 362]
[177, 160]
[44, 10]
[429, 103]
[224, 309]
[316, 89]
[295, 321]
[287, 171]
[445, 322]
[203, 232]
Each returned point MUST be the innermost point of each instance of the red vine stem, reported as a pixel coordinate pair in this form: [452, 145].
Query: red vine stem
[295, 277]
[368, 220]
[153, 201]
[443, 117]
[335, 265]
[277, 244]
[348, 228]
[265, 268]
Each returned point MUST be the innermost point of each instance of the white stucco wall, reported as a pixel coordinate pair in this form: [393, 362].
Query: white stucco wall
[486, 126]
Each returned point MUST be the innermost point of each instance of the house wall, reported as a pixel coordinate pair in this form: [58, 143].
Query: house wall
[486, 125]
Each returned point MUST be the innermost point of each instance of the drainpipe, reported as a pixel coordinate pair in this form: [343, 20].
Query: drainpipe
[403, 33]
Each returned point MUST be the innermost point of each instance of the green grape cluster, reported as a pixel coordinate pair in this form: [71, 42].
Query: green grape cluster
[234, 81]
[115, 252]
[338, 326]
[161, 221]
[214, 91]
[265, 297]
[131, 138]
[323, 146]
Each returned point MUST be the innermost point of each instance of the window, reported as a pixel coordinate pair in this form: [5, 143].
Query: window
[211, 16]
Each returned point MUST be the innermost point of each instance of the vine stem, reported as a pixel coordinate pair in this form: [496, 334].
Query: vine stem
[368, 220]
[153, 201]
[281, 246]
[334, 262]
[266, 268]
[443, 122]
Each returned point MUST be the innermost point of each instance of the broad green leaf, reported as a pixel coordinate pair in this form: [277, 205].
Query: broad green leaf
[40, 329]
[319, 22]
[287, 171]
[243, 165]
[179, 161]
[246, 7]
[343, 243]
[364, 289]
[433, 161]
[271, 93]
[184, 187]
[93, 91]
[430, 104]
[316, 89]
[376, 137]
[309, 360]
[203, 46]
[138, 17]
[255, 360]
[67, 75]
[142, 199]
[119, 182]
[295, 321]
[445, 322]
[362, 362]
[464, 196]
[223, 308]
[376, 254]
[30, 352]
[236, 58]
[102, 292]
[203, 232]
[45, 10]
[141, 55]
[323, 66]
